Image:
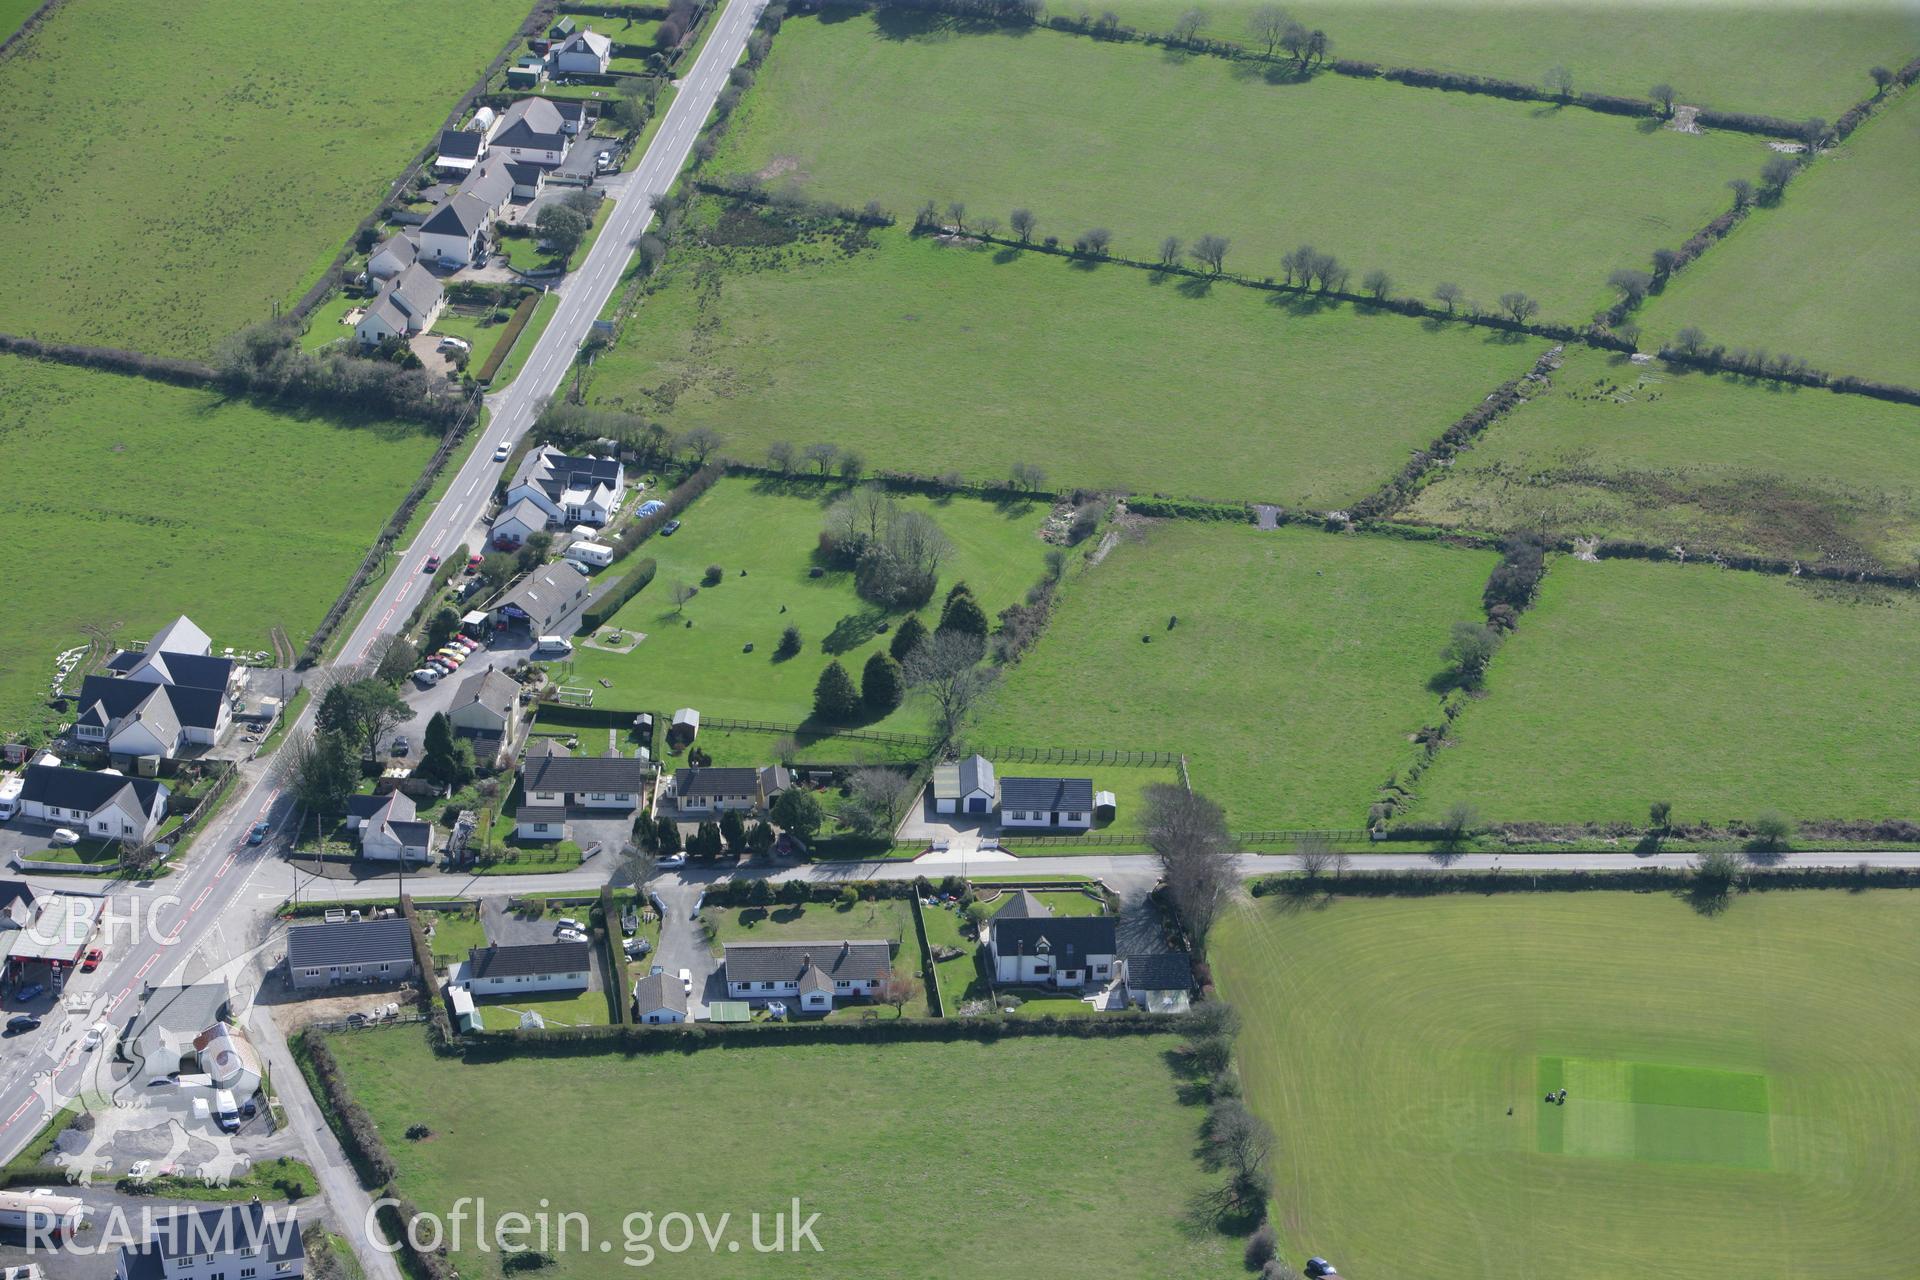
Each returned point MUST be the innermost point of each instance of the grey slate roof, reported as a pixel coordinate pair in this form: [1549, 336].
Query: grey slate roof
[546, 594]
[272, 1229]
[554, 472]
[660, 991]
[84, 790]
[1160, 971]
[1067, 794]
[493, 690]
[535, 123]
[12, 891]
[541, 813]
[962, 777]
[1024, 907]
[458, 215]
[189, 670]
[691, 784]
[489, 182]
[527, 512]
[180, 636]
[350, 942]
[535, 959]
[1069, 939]
[851, 960]
[364, 807]
[460, 144]
[582, 773]
[117, 698]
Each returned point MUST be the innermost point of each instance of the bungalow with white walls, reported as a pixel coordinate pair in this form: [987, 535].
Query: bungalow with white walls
[1064, 804]
[542, 966]
[389, 829]
[737, 790]
[660, 998]
[107, 804]
[551, 776]
[815, 974]
[406, 305]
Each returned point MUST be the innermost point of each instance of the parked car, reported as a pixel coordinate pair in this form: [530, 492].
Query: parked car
[474, 560]
[655, 970]
[451, 343]
[668, 529]
[257, 834]
[29, 993]
[1317, 1267]
[637, 947]
[65, 837]
[674, 860]
[500, 455]
[604, 159]
[426, 677]
[568, 922]
[432, 565]
[400, 746]
[95, 1034]
[92, 959]
[686, 980]
[20, 1023]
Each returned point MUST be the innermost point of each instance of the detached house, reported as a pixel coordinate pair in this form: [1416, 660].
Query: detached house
[486, 705]
[326, 955]
[659, 998]
[571, 490]
[389, 830]
[406, 305]
[550, 776]
[1063, 803]
[252, 1241]
[746, 790]
[542, 966]
[585, 52]
[544, 599]
[105, 804]
[538, 131]
[159, 700]
[518, 522]
[813, 973]
[455, 234]
[1032, 947]
[394, 255]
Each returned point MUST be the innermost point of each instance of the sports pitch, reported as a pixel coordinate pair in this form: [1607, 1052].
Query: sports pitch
[1652, 1111]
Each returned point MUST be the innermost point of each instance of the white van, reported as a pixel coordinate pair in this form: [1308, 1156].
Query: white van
[10, 788]
[552, 646]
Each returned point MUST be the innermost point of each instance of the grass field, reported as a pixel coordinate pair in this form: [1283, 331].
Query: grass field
[190, 171]
[1724, 693]
[696, 657]
[193, 504]
[1828, 274]
[1297, 670]
[1736, 1086]
[979, 359]
[1671, 457]
[1079, 1160]
[1792, 59]
[1429, 186]
[890, 919]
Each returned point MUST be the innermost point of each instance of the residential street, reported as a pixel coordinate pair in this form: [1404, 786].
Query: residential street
[155, 927]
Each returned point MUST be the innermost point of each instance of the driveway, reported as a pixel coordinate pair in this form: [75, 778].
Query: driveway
[683, 945]
[962, 832]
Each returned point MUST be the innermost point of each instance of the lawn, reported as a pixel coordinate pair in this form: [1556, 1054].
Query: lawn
[455, 933]
[559, 1008]
[1829, 273]
[1724, 693]
[1670, 457]
[621, 30]
[198, 505]
[1736, 1085]
[1296, 670]
[1791, 60]
[1107, 377]
[191, 171]
[523, 345]
[1079, 1161]
[1429, 186]
[888, 918]
[731, 748]
[764, 537]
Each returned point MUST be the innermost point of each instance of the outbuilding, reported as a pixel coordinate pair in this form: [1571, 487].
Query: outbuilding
[660, 998]
[964, 786]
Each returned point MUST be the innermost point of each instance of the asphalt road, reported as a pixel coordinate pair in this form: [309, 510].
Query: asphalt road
[155, 928]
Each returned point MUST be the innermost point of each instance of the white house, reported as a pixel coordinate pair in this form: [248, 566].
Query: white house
[540, 822]
[138, 718]
[815, 974]
[395, 254]
[251, 1241]
[518, 522]
[534, 130]
[549, 776]
[660, 998]
[490, 184]
[455, 233]
[571, 490]
[389, 830]
[585, 52]
[405, 305]
[741, 790]
[1054, 803]
[486, 704]
[542, 966]
[105, 804]
[1032, 947]
[964, 786]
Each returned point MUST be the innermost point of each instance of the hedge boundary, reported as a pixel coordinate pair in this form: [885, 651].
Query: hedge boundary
[1395, 884]
[509, 335]
[616, 958]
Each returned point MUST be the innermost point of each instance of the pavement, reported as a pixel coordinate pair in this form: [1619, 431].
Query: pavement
[221, 888]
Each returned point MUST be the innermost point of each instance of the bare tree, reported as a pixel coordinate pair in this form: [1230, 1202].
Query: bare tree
[681, 593]
[1813, 132]
[1315, 853]
[640, 865]
[820, 456]
[986, 228]
[1266, 25]
[874, 799]
[853, 465]
[1188, 833]
[946, 666]
[1633, 285]
[1450, 294]
[1559, 82]
[1026, 477]
[897, 988]
[1377, 282]
[1211, 253]
[1690, 340]
[1294, 39]
[1170, 251]
[1882, 79]
[1742, 192]
[1318, 43]
[1776, 173]
[1519, 306]
[701, 442]
[780, 456]
[1662, 95]
[1096, 242]
[957, 213]
[1188, 25]
[1021, 220]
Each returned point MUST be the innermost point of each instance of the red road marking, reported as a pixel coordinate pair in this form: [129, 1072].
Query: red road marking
[202, 898]
[151, 961]
[19, 1111]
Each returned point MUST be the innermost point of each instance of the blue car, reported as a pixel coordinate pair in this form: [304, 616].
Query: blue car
[258, 833]
[27, 994]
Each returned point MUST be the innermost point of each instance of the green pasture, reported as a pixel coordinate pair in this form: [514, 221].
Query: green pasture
[1828, 274]
[1657, 454]
[1791, 60]
[194, 504]
[970, 360]
[190, 171]
[695, 655]
[1290, 666]
[1084, 1168]
[1491, 194]
[1735, 1083]
[1723, 693]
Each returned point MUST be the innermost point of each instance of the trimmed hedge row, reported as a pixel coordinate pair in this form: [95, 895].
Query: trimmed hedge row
[182, 373]
[1394, 884]
[1186, 509]
[432, 1002]
[1717, 361]
[508, 336]
[1856, 114]
[359, 1135]
[1622, 549]
[626, 589]
[616, 957]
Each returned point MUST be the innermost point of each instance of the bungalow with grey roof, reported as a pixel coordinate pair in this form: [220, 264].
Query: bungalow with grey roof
[814, 973]
[585, 52]
[486, 705]
[536, 130]
[325, 955]
[660, 998]
[544, 599]
[1054, 803]
[105, 804]
[406, 305]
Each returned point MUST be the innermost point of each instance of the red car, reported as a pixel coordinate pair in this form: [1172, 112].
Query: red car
[92, 960]
[433, 563]
[473, 562]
